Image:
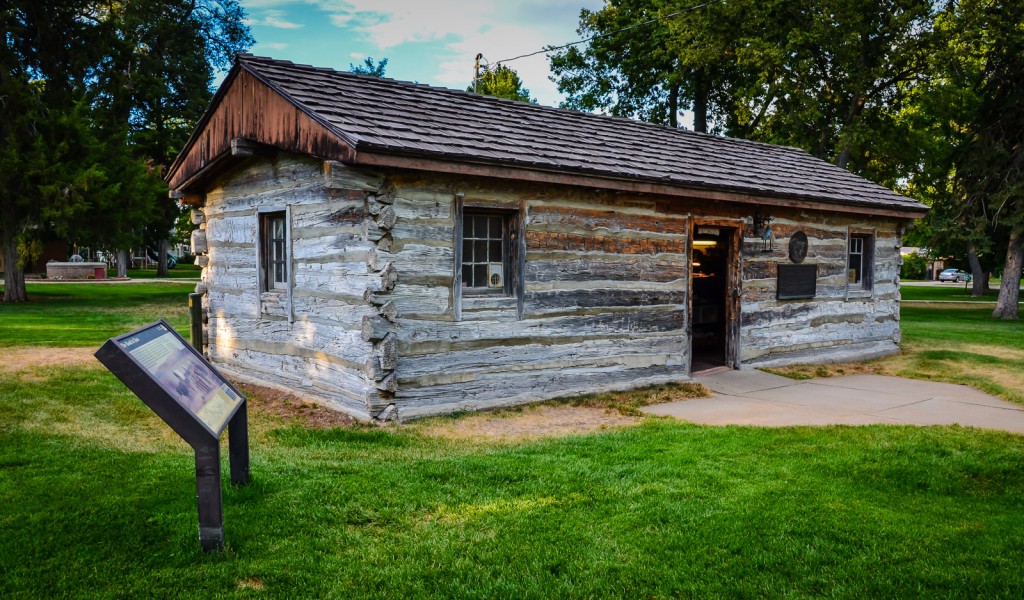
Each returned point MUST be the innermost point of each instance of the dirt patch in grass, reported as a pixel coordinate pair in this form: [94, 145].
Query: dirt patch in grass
[27, 359]
[560, 417]
[990, 369]
[801, 372]
[527, 423]
[276, 403]
[997, 351]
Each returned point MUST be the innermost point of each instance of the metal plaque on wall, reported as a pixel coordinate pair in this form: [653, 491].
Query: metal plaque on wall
[796, 281]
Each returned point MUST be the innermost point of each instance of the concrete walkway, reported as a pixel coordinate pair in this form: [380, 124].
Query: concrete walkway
[758, 398]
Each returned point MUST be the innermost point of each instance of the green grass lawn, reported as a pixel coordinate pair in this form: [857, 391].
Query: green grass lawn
[947, 292]
[98, 497]
[178, 272]
[86, 314]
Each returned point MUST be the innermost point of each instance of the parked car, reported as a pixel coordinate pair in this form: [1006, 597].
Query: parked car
[954, 275]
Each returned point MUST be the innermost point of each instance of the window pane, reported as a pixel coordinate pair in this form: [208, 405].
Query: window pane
[495, 254]
[480, 251]
[495, 229]
[467, 276]
[479, 276]
[467, 251]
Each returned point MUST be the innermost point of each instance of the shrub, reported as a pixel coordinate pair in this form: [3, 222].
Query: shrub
[914, 266]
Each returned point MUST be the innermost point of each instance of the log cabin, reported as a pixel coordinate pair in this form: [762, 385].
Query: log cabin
[396, 250]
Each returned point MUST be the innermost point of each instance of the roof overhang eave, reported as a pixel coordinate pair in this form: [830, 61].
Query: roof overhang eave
[424, 162]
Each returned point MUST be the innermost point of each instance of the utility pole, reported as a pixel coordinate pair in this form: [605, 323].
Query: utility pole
[476, 73]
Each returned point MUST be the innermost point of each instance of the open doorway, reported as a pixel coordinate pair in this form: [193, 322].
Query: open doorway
[712, 280]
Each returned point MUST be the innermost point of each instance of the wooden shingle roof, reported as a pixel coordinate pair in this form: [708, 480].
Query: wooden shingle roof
[377, 118]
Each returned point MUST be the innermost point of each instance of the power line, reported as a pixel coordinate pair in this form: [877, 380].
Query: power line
[601, 35]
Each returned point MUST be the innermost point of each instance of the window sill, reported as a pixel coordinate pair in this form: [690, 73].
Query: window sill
[472, 302]
[858, 293]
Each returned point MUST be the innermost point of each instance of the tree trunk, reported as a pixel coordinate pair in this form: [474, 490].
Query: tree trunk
[161, 258]
[845, 137]
[122, 263]
[979, 279]
[673, 106]
[14, 273]
[700, 103]
[1009, 289]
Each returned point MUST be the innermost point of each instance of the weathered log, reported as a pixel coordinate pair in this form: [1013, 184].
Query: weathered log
[388, 277]
[389, 383]
[198, 216]
[385, 194]
[604, 222]
[389, 413]
[539, 241]
[561, 299]
[386, 218]
[370, 296]
[375, 328]
[576, 268]
[198, 241]
[387, 352]
[372, 231]
[389, 311]
[341, 176]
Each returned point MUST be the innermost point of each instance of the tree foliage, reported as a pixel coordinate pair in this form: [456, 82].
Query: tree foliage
[823, 76]
[918, 95]
[96, 97]
[985, 54]
[502, 82]
[369, 68]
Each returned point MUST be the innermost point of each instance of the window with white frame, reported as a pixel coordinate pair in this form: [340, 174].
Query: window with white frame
[860, 257]
[274, 250]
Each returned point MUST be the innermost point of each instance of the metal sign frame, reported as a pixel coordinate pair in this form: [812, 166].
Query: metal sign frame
[203, 439]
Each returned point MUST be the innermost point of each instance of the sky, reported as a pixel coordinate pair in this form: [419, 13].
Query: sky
[427, 41]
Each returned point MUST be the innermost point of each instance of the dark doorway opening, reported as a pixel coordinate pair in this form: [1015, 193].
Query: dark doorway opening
[710, 276]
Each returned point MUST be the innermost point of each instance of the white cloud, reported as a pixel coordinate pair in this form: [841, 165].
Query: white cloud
[272, 45]
[276, 18]
[499, 29]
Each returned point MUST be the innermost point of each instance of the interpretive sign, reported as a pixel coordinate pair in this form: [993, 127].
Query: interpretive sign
[197, 402]
[183, 374]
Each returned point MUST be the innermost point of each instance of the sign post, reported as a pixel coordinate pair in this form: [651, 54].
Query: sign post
[174, 380]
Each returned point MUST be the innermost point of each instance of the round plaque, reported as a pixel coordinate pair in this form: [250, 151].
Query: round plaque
[798, 247]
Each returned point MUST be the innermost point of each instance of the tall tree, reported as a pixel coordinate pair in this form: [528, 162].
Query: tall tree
[154, 84]
[648, 59]
[502, 82]
[818, 75]
[96, 98]
[988, 45]
[48, 166]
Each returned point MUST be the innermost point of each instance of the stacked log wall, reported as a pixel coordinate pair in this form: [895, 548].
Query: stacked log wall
[603, 305]
[376, 326]
[839, 321]
[310, 339]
